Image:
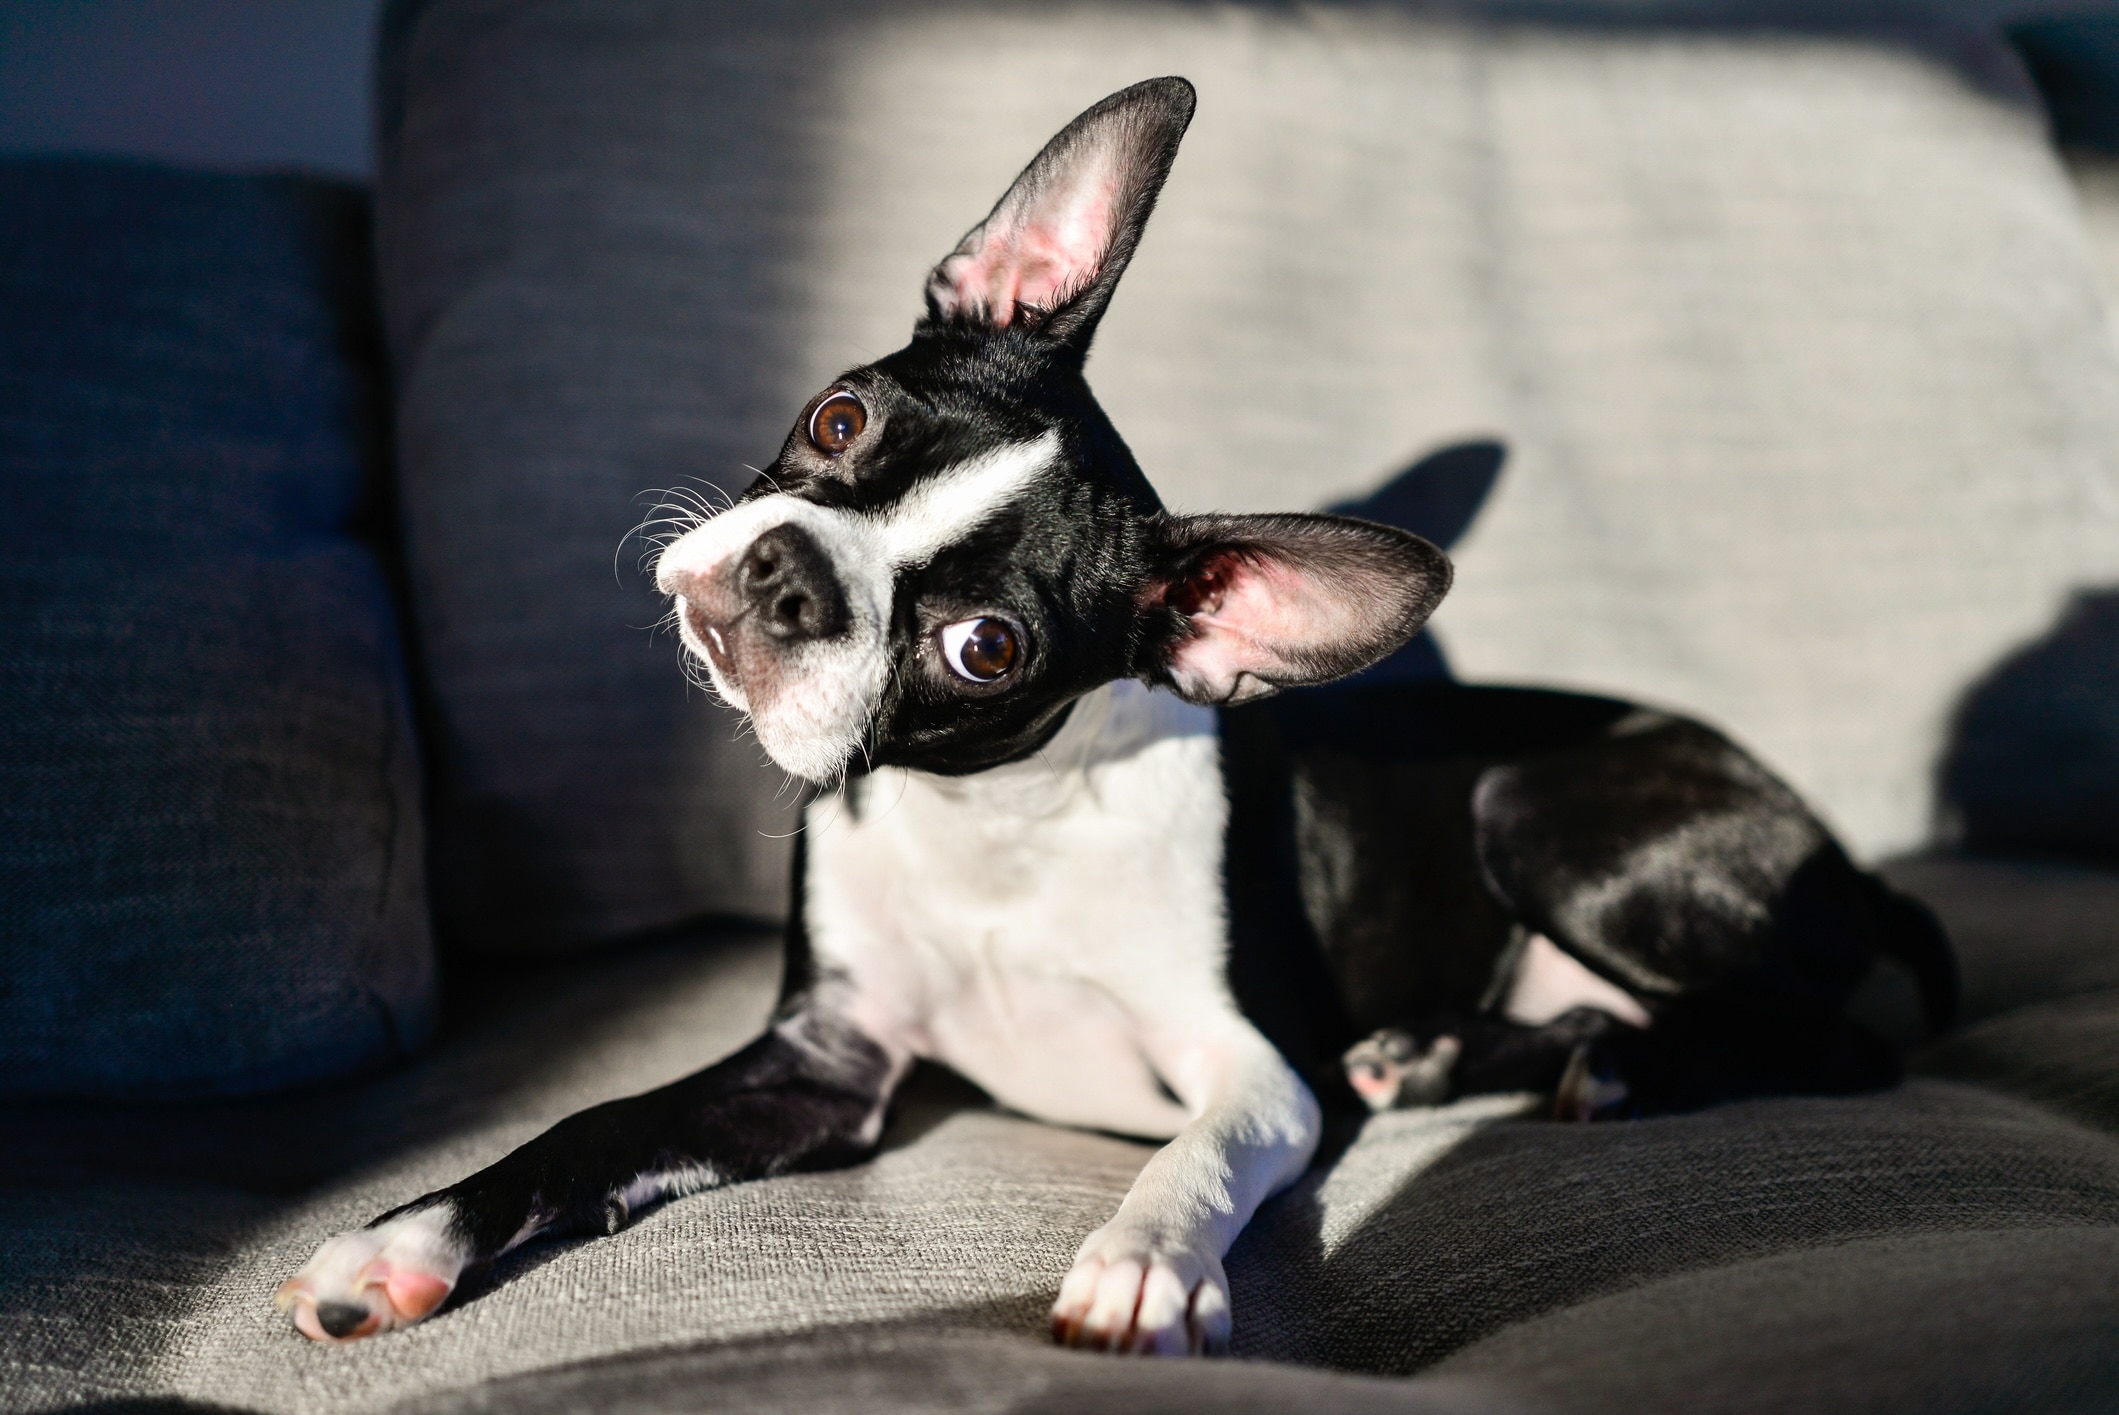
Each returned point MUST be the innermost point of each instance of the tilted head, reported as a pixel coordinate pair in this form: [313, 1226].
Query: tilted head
[954, 543]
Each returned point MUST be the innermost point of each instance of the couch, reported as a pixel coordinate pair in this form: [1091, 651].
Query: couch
[1759, 359]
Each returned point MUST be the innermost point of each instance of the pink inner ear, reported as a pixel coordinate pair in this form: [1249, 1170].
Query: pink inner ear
[1038, 251]
[1252, 618]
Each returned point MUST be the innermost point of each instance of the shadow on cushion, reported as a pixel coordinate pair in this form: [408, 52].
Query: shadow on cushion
[1428, 1255]
[2032, 763]
[1938, 1323]
[2063, 1054]
[922, 1366]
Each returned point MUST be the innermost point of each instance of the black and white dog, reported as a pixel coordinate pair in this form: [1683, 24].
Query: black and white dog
[1072, 860]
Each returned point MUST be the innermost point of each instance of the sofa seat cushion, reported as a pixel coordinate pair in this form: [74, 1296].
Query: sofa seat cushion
[1403, 1254]
[1938, 1323]
[1429, 1236]
[210, 821]
[2024, 931]
[910, 1368]
[2063, 1054]
[2024, 1317]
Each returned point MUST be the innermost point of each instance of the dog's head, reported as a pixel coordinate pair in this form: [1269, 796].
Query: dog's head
[954, 543]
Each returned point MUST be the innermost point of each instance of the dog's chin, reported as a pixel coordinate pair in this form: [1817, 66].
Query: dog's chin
[810, 716]
[818, 762]
[810, 726]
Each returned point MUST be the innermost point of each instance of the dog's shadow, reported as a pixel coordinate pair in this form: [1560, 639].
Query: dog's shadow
[1437, 498]
[2031, 764]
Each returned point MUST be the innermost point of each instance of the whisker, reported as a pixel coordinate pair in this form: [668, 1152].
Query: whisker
[678, 515]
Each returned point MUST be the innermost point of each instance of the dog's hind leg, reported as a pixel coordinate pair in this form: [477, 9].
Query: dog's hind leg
[1570, 1058]
[1596, 1067]
[809, 1094]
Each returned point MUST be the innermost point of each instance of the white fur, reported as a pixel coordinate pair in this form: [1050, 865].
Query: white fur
[668, 1184]
[1055, 930]
[1549, 981]
[355, 1268]
[814, 725]
[946, 508]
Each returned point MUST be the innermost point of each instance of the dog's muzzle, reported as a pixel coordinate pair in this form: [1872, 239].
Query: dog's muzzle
[774, 596]
[786, 586]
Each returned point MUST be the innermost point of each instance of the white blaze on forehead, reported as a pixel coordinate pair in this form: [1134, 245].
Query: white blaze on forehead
[947, 507]
[812, 713]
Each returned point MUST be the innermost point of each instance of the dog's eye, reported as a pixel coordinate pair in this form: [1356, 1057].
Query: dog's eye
[979, 650]
[836, 423]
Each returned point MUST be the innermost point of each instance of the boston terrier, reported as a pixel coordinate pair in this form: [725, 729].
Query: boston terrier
[1072, 847]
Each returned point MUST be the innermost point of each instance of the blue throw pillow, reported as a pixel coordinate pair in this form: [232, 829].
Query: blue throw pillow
[211, 871]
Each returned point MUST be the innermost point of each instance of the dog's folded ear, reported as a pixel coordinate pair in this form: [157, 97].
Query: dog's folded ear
[1051, 252]
[1248, 605]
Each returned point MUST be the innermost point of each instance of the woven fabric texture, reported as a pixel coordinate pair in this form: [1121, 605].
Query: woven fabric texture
[210, 834]
[1790, 331]
[139, 1247]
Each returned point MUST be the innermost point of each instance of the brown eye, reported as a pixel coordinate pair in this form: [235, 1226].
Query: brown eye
[836, 423]
[979, 650]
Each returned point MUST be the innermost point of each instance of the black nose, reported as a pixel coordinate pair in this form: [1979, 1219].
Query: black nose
[786, 581]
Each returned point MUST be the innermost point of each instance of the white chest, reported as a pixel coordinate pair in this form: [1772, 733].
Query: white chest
[1031, 926]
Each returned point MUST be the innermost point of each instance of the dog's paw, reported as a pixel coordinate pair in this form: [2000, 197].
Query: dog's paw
[1390, 1070]
[375, 1279]
[1128, 1293]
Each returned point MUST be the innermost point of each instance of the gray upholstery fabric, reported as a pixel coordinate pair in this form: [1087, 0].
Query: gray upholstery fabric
[2064, 1054]
[1792, 334]
[584, 220]
[1969, 1323]
[2097, 181]
[1422, 1253]
[1963, 1322]
[1832, 317]
[2023, 931]
[211, 873]
[909, 1370]
[139, 1248]
[969, 1215]
[2033, 762]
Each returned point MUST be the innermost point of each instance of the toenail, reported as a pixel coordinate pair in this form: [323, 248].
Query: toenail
[340, 1318]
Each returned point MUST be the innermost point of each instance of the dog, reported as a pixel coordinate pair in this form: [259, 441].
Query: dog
[1080, 852]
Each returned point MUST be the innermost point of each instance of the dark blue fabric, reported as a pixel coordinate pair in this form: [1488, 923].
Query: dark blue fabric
[210, 837]
[2075, 60]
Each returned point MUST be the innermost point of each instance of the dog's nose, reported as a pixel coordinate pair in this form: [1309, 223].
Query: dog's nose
[787, 583]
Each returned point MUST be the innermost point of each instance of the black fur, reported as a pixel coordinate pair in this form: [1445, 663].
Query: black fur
[806, 1095]
[1402, 841]
[1063, 564]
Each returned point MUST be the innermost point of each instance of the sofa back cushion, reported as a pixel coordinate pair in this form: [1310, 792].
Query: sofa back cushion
[1793, 340]
[210, 821]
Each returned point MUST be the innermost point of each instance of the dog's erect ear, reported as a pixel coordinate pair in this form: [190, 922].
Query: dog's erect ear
[1050, 254]
[1252, 604]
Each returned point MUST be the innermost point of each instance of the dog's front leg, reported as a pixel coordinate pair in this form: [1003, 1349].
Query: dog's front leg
[809, 1094]
[1151, 1280]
